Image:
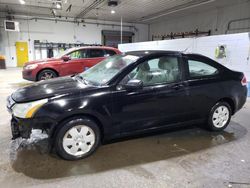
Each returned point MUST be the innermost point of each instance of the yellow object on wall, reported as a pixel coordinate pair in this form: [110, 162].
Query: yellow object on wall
[220, 51]
[2, 57]
[22, 53]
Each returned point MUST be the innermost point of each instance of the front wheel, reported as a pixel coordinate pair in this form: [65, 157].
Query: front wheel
[78, 138]
[219, 117]
[46, 75]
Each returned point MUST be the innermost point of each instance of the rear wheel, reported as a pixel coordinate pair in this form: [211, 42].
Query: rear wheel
[46, 75]
[78, 138]
[219, 117]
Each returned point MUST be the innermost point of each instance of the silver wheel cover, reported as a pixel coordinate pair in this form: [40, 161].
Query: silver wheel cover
[220, 116]
[78, 140]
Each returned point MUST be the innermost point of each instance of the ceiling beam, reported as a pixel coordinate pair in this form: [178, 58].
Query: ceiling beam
[175, 9]
[89, 8]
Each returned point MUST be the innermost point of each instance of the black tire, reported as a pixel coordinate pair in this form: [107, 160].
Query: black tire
[68, 125]
[46, 74]
[212, 126]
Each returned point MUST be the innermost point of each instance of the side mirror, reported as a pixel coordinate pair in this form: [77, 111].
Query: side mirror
[133, 84]
[65, 58]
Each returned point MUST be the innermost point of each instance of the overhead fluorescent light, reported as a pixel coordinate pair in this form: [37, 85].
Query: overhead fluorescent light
[112, 11]
[22, 2]
[58, 5]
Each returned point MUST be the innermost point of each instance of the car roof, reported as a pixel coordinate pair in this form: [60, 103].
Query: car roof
[142, 53]
[150, 52]
[92, 47]
[95, 47]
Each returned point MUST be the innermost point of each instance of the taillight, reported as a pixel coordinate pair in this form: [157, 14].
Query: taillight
[244, 81]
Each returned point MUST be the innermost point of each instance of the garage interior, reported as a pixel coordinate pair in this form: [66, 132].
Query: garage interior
[187, 157]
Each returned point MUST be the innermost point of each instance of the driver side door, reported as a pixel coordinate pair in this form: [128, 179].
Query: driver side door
[75, 64]
[161, 101]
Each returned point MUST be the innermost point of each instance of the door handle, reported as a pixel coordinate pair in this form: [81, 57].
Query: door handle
[177, 86]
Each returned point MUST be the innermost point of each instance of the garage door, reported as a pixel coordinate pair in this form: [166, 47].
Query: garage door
[113, 38]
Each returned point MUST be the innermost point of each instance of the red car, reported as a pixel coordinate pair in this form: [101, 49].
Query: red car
[72, 61]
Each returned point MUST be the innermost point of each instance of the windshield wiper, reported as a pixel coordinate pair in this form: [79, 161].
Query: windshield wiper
[82, 79]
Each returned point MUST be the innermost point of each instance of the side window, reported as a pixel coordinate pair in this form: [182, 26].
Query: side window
[109, 53]
[156, 71]
[199, 69]
[78, 54]
[96, 53]
[84, 53]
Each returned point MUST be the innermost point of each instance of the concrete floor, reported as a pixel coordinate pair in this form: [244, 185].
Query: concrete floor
[186, 158]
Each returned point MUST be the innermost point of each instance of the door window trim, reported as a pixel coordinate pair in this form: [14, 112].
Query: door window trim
[180, 67]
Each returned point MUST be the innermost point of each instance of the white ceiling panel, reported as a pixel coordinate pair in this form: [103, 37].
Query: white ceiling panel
[143, 11]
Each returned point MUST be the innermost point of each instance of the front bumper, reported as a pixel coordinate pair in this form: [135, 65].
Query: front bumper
[23, 127]
[18, 129]
[28, 75]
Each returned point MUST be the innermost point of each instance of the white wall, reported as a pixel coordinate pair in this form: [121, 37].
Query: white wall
[58, 32]
[215, 19]
[237, 45]
[238, 50]
[174, 45]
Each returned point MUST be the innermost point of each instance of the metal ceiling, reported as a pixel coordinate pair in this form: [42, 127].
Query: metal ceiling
[141, 11]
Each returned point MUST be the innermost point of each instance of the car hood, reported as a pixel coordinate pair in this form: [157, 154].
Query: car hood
[43, 61]
[50, 88]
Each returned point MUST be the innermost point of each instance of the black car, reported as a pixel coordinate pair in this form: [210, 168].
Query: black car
[128, 94]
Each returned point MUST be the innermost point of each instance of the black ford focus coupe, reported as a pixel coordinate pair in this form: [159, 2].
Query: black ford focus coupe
[128, 94]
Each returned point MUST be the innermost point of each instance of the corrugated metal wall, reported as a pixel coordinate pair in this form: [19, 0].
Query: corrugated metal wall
[239, 25]
[216, 20]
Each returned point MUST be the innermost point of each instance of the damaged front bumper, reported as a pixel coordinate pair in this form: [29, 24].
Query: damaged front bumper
[19, 130]
[23, 127]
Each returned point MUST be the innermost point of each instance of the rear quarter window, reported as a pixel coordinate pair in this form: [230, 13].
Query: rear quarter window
[199, 69]
[96, 53]
[109, 53]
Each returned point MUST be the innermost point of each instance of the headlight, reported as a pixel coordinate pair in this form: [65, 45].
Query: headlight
[27, 110]
[29, 67]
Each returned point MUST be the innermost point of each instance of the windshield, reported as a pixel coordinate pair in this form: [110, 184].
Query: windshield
[107, 69]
